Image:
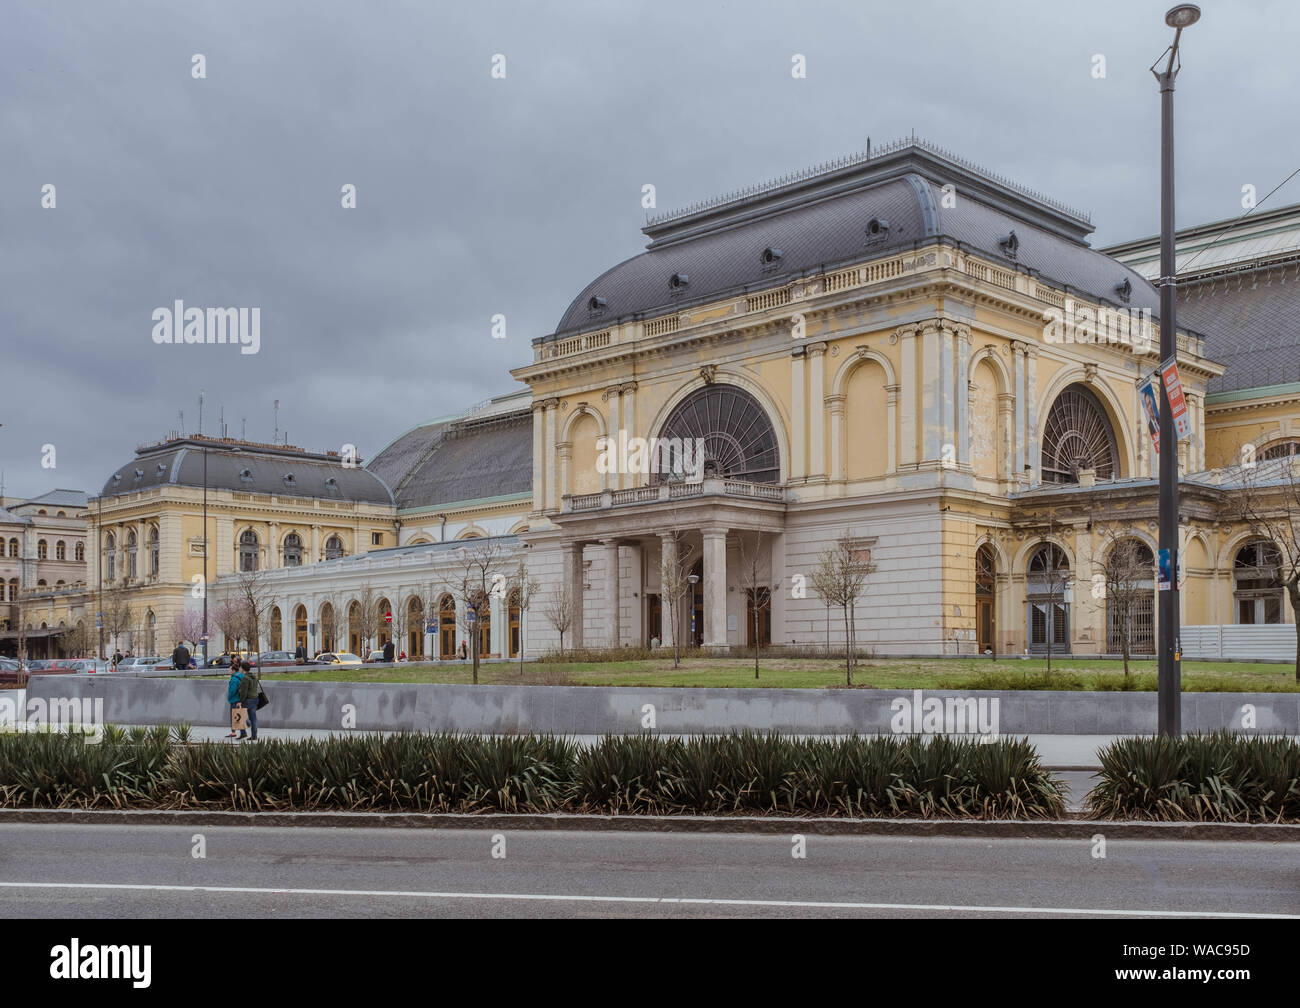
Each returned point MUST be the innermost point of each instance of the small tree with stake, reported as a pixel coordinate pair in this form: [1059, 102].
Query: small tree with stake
[754, 574]
[522, 589]
[840, 578]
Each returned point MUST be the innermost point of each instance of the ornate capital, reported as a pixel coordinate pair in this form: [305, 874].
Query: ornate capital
[909, 330]
[835, 403]
[708, 373]
[626, 387]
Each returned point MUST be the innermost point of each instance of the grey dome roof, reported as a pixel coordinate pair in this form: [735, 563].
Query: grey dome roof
[248, 468]
[820, 220]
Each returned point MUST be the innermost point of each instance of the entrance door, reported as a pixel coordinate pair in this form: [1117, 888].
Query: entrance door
[654, 615]
[447, 627]
[985, 584]
[695, 632]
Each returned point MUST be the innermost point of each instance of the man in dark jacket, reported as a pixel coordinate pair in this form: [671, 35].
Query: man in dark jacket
[388, 651]
[181, 657]
[249, 687]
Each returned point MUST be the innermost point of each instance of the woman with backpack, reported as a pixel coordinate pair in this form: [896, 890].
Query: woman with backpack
[249, 688]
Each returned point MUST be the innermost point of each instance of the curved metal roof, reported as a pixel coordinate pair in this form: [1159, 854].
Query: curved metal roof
[248, 469]
[821, 221]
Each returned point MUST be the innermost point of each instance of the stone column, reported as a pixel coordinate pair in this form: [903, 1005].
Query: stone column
[670, 619]
[273, 545]
[539, 458]
[565, 452]
[552, 493]
[947, 396]
[907, 402]
[1006, 436]
[891, 425]
[715, 587]
[962, 418]
[798, 416]
[781, 591]
[1021, 424]
[614, 479]
[315, 544]
[817, 411]
[635, 631]
[573, 576]
[1031, 409]
[629, 422]
[931, 392]
[613, 638]
[288, 631]
[835, 408]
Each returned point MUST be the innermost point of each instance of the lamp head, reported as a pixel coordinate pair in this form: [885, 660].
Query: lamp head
[1183, 16]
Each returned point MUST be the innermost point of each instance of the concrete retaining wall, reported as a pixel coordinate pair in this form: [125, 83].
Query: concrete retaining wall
[595, 710]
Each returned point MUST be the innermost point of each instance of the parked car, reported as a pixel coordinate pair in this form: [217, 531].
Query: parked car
[338, 658]
[276, 659]
[375, 656]
[12, 671]
[223, 660]
[85, 666]
[139, 663]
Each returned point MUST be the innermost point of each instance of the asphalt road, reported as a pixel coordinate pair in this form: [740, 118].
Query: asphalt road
[74, 871]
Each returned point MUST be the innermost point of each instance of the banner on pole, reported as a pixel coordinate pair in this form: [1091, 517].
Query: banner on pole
[1151, 406]
[1177, 403]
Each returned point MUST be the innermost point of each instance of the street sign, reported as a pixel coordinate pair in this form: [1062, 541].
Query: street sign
[388, 617]
[431, 628]
[1177, 404]
[469, 616]
[1151, 406]
[1164, 567]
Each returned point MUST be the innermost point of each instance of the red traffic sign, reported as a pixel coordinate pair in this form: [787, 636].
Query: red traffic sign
[388, 617]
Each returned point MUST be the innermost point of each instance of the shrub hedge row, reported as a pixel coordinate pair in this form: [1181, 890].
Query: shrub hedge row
[740, 773]
[1219, 777]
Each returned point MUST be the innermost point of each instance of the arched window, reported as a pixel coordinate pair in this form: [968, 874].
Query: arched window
[79, 552]
[732, 427]
[111, 556]
[384, 626]
[131, 545]
[328, 627]
[150, 639]
[277, 626]
[1257, 591]
[299, 628]
[60, 550]
[13, 547]
[1047, 586]
[153, 551]
[355, 630]
[1129, 577]
[13, 589]
[1078, 436]
[1279, 449]
[333, 548]
[514, 625]
[41, 584]
[248, 550]
[42, 550]
[293, 550]
[414, 627]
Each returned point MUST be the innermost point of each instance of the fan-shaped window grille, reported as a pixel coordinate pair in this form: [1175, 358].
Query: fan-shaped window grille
[1077, 436]
[333, 548]
[739, 442]
[1282, 449]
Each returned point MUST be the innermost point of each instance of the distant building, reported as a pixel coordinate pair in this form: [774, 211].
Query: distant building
[42, 570]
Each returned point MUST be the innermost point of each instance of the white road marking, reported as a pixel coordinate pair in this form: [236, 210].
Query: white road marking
[666, 900]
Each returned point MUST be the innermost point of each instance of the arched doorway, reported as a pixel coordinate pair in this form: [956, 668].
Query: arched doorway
[695, 614]
[300, 628]
[1130, 579]
[414, 627]
[1078, 436]
[986, 579]
[328, 628]
[446, 627]
[1257, 593]
[513, 625]
[483, 610]
[385, 626]
[355, 629]
[1047, 585]
[276, 625]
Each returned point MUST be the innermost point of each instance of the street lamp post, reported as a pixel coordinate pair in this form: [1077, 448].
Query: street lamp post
[1169, 701]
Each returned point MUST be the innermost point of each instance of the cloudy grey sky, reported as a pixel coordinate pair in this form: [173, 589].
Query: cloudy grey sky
[478, 196]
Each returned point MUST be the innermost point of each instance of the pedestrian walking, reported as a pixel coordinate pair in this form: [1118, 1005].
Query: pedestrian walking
[249, 687]
[389, 651]
[232, 696]
[181, 656]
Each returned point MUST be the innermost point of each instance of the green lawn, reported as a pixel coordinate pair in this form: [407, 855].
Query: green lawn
[901, 673]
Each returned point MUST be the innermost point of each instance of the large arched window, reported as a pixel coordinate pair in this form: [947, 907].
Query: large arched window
[79, 552]
[13, 547]
[1078, 436]
[153, 551]
[60, 550]
[111, 556]
[737, 437]
[131, 547]
[292, 550]
[1257, 592]
[446, 627]
[248, 550]
[333, 548]
[276, 628]
[1279, 449]
[42, 550]
[13, 589]
[1047, 588]
[986, 581]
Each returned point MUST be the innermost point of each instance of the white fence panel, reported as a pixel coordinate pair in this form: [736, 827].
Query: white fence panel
[1266, 643]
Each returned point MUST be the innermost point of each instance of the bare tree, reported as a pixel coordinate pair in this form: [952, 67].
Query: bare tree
[755, 573]
[479, 576]
[330, 620]
[187, 626]
[840, 578]
[1269, 502]
[522, 589]
[561, 610]
[227, 614]
[253, 593]
[1122, 584]
[675, 566]
[118, 612]
[368, 602]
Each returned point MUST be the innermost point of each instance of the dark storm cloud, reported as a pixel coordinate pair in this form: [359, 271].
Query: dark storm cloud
[479, 196]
